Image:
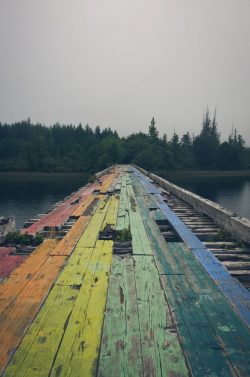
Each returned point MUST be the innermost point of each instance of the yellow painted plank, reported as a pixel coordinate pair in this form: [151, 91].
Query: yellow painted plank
[86, 274]
[79, 349]
[66, 333]
[91, 233]
[34, 356]
[111, 215]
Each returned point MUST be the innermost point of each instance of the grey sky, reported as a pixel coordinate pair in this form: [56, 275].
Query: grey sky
[117, 63]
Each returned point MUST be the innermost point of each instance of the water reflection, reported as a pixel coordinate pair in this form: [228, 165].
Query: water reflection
[27, 195]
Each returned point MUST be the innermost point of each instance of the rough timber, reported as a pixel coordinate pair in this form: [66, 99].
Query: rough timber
[78, 305]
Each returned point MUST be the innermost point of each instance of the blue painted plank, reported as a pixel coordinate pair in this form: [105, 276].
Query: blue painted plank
[237, 295]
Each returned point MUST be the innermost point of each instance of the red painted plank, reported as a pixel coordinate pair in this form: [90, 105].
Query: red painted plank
[9, 262]
[59, 215]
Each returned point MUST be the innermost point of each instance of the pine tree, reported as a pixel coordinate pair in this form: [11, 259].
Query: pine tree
[153, 132]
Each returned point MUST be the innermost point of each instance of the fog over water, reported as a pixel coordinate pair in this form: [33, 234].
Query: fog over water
[117, 63]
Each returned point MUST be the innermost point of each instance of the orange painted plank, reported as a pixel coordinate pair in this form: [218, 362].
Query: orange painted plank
[67, 244]
[18, 316]
[17, 280]
[106, 182]
[80, 210]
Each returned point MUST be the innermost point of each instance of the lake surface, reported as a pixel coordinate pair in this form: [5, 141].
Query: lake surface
[25, 195]
[231, 192]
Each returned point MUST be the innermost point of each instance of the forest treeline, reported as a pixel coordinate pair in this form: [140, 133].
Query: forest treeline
[66, 148]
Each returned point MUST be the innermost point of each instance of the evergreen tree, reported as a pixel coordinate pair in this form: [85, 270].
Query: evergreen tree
[153, 132]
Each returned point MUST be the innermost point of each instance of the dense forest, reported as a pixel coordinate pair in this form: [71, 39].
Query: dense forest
[68, 148]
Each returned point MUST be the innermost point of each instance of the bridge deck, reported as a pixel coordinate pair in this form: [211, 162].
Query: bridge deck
[74, 308]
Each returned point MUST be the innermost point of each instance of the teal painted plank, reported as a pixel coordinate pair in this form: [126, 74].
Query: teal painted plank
[140, 241]
[185, 304]
[120, 348]
[161, 351]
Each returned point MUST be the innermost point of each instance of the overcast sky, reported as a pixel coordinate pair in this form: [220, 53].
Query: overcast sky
[117, 63]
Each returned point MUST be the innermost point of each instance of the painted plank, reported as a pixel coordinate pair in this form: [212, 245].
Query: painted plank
[120, 353]
[9, 262]
[59, 215]
[184, 302]
[34, 356]
[88, 200]
[161, 351]
[140, 241]
[238, 296]
[67, 244]
[83, 275]
[91, 233]
[79, 349]
[11, 287]
[18, 316]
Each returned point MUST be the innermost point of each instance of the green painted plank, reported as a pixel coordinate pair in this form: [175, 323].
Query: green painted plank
[140, 241]
[159, 215]
[174, 263]
[161, 351]
[120, 348]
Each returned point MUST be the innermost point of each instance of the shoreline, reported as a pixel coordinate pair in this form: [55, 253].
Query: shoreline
[205, 173]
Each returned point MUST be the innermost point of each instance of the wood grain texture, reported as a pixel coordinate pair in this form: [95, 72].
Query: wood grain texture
[67, 244]
[121, 349]
[9, 262]
[84, 205]
[68, 326]
[17, 280]
[192, 296]
[79, 349]
[18, 316]
[161, 351]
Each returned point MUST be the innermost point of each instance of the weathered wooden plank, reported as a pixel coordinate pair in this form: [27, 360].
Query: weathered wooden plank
[120, 353]
[79, 349]
[9, 262]
[35, 355]
[59, 215]
[84, 205]
[161, 351]
[91, 233]
[238, 296]
[87, 274]
[189, 314]
[106, 182]
[16, 281]
[19, 314]
[187, 307]
[111, 215]
[222, 319]
[140, 243]
[67, 244]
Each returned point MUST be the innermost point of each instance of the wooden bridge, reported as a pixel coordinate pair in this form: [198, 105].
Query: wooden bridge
[130, 281]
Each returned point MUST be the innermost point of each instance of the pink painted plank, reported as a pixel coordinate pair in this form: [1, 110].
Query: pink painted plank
[9, 262]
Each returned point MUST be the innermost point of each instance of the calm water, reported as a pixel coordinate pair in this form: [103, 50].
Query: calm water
[231, 192]
[27, 195]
